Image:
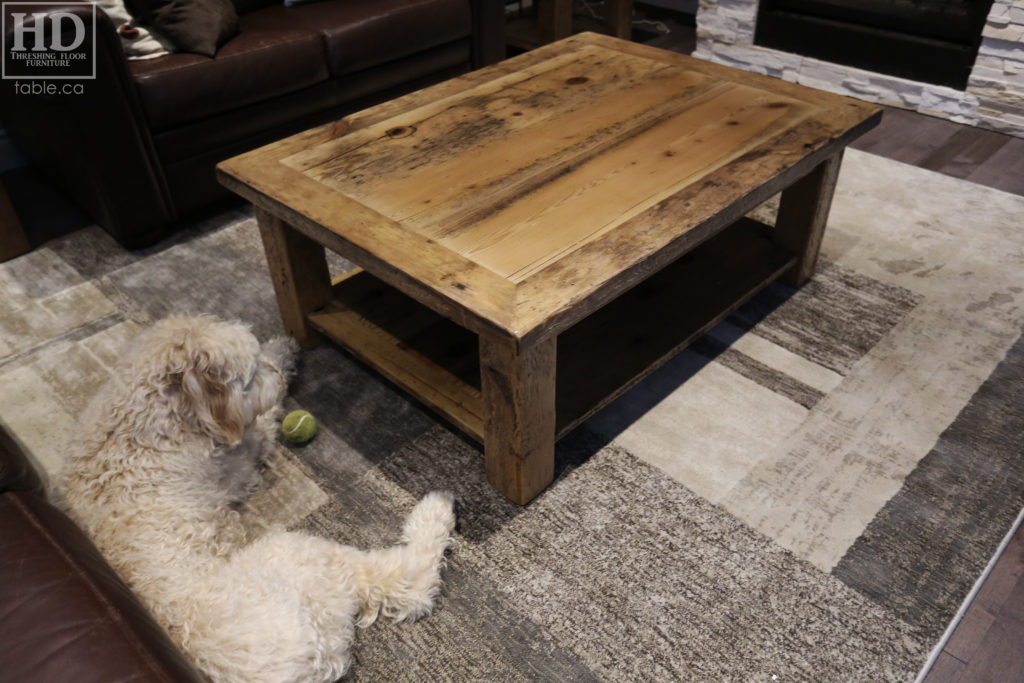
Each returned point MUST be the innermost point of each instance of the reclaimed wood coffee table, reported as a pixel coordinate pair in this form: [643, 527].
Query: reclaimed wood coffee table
[536, 236]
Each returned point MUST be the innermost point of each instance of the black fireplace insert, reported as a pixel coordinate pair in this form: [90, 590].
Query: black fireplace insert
[930, 41]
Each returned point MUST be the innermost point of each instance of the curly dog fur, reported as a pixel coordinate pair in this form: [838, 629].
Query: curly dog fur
[166, 452]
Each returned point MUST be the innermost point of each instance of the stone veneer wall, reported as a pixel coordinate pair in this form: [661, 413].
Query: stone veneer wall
[995, 92]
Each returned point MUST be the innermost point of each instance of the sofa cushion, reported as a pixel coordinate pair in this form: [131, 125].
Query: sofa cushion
[65, 616]
[256, 65]
[359, 34]
[246, 6]
[199, 26]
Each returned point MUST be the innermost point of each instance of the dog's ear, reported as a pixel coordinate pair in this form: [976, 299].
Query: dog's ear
[219, 409]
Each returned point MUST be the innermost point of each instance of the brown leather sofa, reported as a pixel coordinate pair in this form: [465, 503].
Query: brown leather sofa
[65, 616]
[136, 149]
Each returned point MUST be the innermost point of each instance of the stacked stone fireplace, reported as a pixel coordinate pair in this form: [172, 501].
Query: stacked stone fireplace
[993, 98]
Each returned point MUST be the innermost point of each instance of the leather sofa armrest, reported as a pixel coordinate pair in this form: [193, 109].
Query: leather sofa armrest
[65, 615]
[488, 32]
[92, 141]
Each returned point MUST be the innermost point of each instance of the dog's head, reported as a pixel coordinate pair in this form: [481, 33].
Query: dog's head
[213, 374]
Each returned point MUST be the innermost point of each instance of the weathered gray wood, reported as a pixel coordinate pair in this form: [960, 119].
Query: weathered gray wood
[555, 18]
[519, 408]
[803, 213]
[618, 17]
[420, 351]
[298, 268]
[521, 199]
[455, 199]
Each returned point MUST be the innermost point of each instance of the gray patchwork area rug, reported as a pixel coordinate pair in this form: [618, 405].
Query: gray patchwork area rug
[809, 492]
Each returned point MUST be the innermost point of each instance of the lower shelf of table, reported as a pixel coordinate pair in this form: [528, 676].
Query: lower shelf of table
[598, 359]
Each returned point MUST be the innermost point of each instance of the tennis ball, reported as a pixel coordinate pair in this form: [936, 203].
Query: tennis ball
[298, 427]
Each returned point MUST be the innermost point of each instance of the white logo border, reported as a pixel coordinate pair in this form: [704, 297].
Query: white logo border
[3, 32]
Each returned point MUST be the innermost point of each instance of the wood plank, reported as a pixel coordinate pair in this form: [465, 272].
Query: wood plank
[929, 142]
[1004, 170]
[519, 415]
[233, 172]
[964, 152]
[585, 203]
[455, 108]
[420, 351]
[1005, 580]
[530, 161]
[474, 152]
[803, 212]
[840, 111]
[906, 136]
[555, 19]
[437, 360]
[570, 289]
[618, 18]
[522, 63]
[651, 323]
[947, 669]
[978, 647]
[970, 633]
[437, 277]
[995, 659]
[538, 258]
[360, 120]
[298, 269]
[601, 163]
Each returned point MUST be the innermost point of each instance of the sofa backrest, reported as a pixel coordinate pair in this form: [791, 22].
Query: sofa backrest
[244, 6]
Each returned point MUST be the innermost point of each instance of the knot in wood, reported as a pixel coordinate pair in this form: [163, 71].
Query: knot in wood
[401, 131]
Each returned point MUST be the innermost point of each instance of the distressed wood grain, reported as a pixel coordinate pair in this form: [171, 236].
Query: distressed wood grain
[520, 202]
[517, 177]
[298, 268]
[519, 407]
[803, 211]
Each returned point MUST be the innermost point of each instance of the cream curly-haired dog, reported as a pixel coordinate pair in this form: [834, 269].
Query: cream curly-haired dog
[168, 449]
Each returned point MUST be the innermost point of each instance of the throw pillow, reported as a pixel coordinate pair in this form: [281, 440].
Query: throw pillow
[199, 26]
[137, 42]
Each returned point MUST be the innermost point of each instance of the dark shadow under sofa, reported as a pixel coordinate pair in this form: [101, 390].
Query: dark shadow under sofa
[65, 615]
[136, 149]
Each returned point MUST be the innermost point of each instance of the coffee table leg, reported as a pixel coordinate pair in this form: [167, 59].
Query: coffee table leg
[803, 212]
[298, 267]
[519, 415]
[555, 20]
[618, 17]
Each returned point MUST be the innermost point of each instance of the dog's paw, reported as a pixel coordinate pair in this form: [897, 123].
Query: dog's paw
[282, 352]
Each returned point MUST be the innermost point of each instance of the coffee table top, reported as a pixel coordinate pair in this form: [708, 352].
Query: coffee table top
[521, 197]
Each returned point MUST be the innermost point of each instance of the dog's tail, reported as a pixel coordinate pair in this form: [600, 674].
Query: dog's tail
[402, 582]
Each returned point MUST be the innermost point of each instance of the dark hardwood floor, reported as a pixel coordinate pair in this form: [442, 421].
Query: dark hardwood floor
[974, 154]
[986, 646]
